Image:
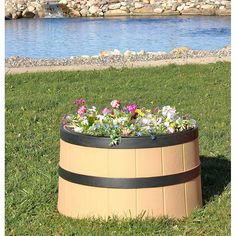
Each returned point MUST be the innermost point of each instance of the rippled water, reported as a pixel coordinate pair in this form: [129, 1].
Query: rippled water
[65, 37]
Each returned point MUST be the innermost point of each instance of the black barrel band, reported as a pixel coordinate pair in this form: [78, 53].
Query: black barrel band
[162, 140]
[130, 183]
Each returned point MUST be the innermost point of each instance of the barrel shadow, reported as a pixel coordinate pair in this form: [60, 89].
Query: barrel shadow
[216, 174]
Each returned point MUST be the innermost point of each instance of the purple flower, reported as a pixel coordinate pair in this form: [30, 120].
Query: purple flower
[132, 108]
[79, 101]
[82, 110]
[106, 111]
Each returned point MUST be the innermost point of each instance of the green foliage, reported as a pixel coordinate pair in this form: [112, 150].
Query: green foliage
[34, 106]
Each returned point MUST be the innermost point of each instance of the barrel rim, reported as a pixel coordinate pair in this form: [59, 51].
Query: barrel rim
[161, 140]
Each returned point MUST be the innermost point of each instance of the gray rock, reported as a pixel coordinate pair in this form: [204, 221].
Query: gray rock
[31, 8]
[116, 12]
[116, 52]
[207, 6]
[181, 7]
[114, 6]
[93, 9]
[158, 10]
[191, 11]
[138, 5]
[84, 12]
[174, 6]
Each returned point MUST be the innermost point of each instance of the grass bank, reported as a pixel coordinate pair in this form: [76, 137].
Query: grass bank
[34, 105]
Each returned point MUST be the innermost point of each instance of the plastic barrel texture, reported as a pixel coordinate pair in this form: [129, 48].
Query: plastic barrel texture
[177, 200]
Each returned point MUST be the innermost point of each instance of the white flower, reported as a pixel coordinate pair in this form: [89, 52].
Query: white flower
[145, 121]
[166, 124]
[78, 129]
[165, 110]
[171, 115]
[101, 117]
[168, 109]
[85, 122]
[122, 119]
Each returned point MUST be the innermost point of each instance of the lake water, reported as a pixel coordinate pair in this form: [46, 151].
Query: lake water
[65, 37]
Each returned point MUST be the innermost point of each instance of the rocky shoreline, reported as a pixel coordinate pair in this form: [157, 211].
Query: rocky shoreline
[109, 58]
[15, 9]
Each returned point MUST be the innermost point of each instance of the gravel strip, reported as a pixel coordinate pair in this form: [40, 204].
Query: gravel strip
[106, 59]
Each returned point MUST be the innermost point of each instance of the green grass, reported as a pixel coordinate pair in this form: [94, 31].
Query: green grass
[36, 102]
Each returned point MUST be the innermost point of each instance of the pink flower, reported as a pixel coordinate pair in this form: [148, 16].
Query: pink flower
[79, 101]
[132, 108]
[171, 129]
[106, 111]
[82, 110]
[115, 104]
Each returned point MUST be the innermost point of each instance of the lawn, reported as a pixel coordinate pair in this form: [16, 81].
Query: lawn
[34, 106]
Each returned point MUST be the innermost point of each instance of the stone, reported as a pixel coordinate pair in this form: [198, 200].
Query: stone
[27, 14]
[113, 1]
[138, 5]
[222, 7]
[143, 11]
[174, 6]
[158, 10]
[21, 6]
[63, 2]
[146, 1]
[141, 53]
[228, 6]
[124, 8]
[127, 53]
[19, 14]
[170, 13]
[191, 11]
[31, 8]
[181, 7]
[41, 14]
[208, 12]
[93, 9]
[192, 5]
[74, 12]
[123, 3]
[114, 6]
[180, 50]
[207, 6]
[152, 2]
[186, 7]
[84, 12]
[223, 12]
[225, 2]
[116, 52]
[14, 16]
[116, 12]
[7, 15]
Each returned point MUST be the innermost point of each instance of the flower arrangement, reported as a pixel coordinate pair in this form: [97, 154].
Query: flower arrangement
[118, 121]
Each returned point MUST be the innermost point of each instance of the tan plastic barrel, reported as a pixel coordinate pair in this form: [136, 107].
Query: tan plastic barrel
[178, 200]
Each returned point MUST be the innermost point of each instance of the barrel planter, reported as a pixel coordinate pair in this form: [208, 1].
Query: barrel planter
[139, 177]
